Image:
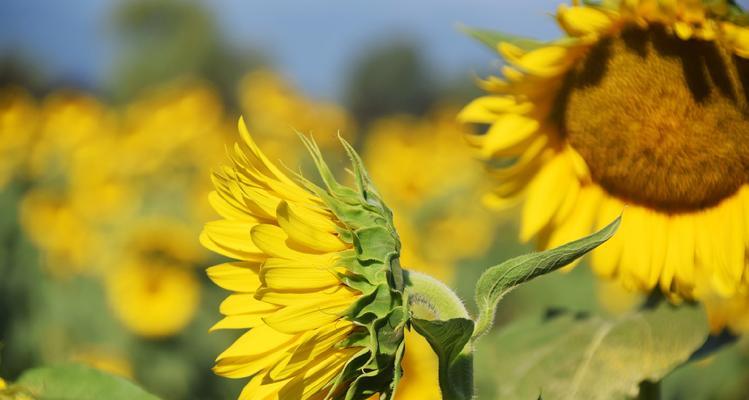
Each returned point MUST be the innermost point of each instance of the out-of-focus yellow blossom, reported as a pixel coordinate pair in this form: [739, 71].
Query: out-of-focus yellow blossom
[173, 137]
[18, 126]
[153, 288]
[434, 185]
[643, 103]
[67, 241]
[172, 129]
[153, 299]
[69, 121]
[276, 111]
[3, 385]
[106, 361]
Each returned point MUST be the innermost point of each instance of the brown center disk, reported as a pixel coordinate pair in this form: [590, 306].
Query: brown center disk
[660, 121]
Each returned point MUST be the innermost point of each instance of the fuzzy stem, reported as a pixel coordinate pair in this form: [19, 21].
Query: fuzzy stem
[433, 300]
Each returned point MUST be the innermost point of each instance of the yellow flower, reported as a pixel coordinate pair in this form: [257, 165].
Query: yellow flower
[68, 121]
[644, 103]
[2, 384]
[317, 283]
[67, 241]
[18, 127]
[154, 291]
[153, 299]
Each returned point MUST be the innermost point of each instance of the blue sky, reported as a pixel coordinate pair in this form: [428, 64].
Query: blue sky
[312, 42]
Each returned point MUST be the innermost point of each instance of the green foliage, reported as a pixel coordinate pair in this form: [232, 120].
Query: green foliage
[450, 340]
[496, 281]
[77, 382]
[590, 357]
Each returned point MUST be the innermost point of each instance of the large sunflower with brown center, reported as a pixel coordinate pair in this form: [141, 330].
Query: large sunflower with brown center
[643, 104]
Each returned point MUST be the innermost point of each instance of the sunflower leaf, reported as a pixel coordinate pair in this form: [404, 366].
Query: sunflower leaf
[497, 281]
[78, 382]
[571, 356]
[450, 340]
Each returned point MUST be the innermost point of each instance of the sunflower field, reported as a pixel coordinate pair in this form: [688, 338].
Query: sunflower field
[196, 202]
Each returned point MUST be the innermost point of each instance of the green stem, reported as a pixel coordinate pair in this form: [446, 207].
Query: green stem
[440, 316]
[431, 299]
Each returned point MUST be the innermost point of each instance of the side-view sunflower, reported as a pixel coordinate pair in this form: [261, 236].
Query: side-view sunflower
[644, 103]
[317, 283]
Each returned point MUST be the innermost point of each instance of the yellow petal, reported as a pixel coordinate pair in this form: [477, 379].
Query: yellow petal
[312, 348]
[240, 321]
[273, 241]
[545, 194]
[258, 155]
[544, 62]
[303, 317]
[257, 343]
[229, 210]
[635, 264]
[606, 257]
[681, 251]
[738, 37]
[308, 229]
[582, 20]
[314, 379]
[256, 389]
[659, 237]
[236, 276]
[288, 297]
[508, 132]
[283, 274]
[486, 109]
[231, 239]
[245, 304]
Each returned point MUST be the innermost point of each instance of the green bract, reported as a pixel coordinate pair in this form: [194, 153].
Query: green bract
[374, 270]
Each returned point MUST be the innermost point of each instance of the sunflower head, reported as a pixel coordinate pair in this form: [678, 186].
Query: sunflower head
[317, 285]
[643, 103]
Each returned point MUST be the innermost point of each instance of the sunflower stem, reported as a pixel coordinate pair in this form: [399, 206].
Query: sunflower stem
[431, 299]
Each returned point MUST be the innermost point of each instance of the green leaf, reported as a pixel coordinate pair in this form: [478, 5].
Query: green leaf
[492, 38]
[496, 281]
[449, 339]
[589, 357]
[78, 382]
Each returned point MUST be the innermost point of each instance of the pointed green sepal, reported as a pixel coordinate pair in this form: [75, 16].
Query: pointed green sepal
[450, 340]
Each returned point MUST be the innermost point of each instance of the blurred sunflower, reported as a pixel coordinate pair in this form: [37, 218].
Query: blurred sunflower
[644, 103]
[18, 127]
[318, 283]
[153, 290]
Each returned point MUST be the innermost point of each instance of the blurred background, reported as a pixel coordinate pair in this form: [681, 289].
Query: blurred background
[113, 113]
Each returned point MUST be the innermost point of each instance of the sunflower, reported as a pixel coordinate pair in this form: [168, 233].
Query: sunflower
[644, 103]
[153, 289]
[317, 282]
